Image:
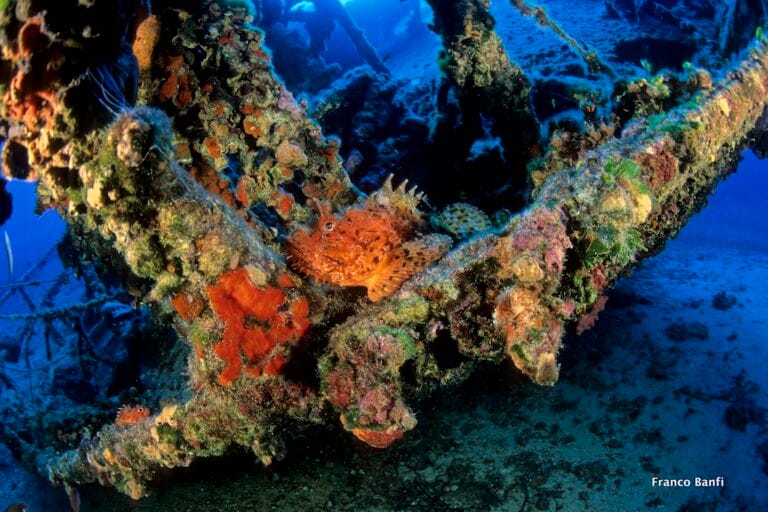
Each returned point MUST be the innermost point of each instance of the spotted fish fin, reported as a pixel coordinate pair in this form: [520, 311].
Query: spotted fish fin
[400, 197]
[411, 258]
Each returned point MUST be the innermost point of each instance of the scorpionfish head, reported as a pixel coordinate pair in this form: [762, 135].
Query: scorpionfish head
[369, 245]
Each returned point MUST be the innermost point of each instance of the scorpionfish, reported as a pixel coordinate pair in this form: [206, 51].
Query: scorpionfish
[375, 244]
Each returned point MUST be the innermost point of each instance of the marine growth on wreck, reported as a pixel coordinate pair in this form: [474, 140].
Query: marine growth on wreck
[279, 220]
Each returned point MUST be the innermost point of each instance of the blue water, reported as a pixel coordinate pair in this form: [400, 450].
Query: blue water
[736, 216]
[31, 234]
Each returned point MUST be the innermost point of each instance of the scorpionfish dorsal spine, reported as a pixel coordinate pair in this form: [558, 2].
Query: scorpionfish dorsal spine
[375, 244]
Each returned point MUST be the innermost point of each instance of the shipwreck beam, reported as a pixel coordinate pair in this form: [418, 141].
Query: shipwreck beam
[516, 291]
[492, 91]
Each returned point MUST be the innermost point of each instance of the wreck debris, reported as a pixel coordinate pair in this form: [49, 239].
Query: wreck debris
[245, 138]
[493, 95]
[590, 57]
[211, 253]
[335, 9]
[620, 204]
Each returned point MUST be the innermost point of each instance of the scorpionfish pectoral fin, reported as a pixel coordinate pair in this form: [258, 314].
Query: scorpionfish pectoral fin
[411, 258]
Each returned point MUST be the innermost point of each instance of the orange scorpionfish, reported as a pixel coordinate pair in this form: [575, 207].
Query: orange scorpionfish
[374, 244]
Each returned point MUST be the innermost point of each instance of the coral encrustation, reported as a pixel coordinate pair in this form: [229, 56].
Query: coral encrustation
[259, 324]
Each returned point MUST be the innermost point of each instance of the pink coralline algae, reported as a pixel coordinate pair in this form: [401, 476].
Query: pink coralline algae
[589, 320]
